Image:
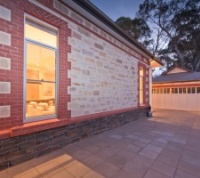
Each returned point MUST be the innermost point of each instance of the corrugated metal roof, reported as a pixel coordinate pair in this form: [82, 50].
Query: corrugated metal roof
[178, 77]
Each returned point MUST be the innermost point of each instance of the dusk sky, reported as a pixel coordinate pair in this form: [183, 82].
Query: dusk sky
[117, 8]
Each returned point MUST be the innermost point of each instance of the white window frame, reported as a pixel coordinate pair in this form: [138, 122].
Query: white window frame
[26, 40]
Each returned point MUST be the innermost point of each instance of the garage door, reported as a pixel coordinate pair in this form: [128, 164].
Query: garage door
[185, 98]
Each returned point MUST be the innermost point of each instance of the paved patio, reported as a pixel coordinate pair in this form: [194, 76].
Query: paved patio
[164, 146]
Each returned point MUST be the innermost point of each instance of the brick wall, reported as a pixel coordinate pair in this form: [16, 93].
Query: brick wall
[103, 77]
[97, 73]
[12, 60]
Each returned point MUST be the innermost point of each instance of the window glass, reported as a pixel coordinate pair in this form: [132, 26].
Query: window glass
[40, 71]
[198, 89]
[39, 33]
[184, 90]
[168, 90]
[193, 90]
[180, 90]
[141, 86]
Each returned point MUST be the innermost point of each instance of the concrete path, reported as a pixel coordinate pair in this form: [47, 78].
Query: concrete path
[164, 146]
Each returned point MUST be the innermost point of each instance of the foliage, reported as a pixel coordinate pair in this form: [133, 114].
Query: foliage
[136, 28]
[175, 31]
[177, 23]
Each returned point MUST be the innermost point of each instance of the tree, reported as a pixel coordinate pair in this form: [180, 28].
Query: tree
[176, 28]
[136, 28]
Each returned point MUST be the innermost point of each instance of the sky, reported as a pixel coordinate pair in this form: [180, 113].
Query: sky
[117, 8]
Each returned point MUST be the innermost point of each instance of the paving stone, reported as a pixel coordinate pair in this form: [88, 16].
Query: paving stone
[121, 158]
[191, 158]
[4, 174]
[143, 160]
[80, 154]
[21, 168]
[133, 148]
[92, 161]
[141, 144]
[164, 169]
[105, 153]
[153, 148]
[65, 160]
[135, 168]
[149, 153]
[29, 174]
[169, 159]
[106, 169]
[49, 169]
[190, 168]
[93, 174]
[182, 174]
[78, 169]
[124, 174]
[116, 136]
[153, 174]
[61, 174]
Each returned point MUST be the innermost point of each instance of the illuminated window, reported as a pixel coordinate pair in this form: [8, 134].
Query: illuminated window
[141, 86]
[40, 71]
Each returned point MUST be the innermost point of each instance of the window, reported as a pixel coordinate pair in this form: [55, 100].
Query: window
[168, 90]
[191, 90]
[141, 86]
[40, 71]
[198, 89]
[153, 91]
[180, 90]
[174, 90]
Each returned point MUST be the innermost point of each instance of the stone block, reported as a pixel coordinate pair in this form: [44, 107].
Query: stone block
[5, 38]
[5, 63]
[5, 13]
[5, 87]
[4, 111]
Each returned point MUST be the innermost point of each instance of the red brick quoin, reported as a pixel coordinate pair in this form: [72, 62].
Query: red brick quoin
[15, 27]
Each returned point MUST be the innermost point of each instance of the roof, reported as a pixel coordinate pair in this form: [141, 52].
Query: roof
[177, 77]
[176, 69]
[93, 10]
